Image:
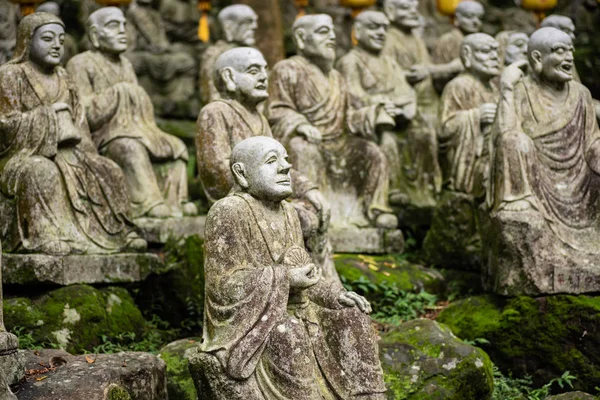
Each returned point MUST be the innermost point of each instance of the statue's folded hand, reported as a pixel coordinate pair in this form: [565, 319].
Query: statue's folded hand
[304, 277]
[312, 134]
[351, 299]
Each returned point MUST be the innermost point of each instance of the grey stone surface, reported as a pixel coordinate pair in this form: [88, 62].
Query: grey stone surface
[67, 270]
[156, 230]
[139, 376]
[573, 396]
[366, 240]
[12, 361]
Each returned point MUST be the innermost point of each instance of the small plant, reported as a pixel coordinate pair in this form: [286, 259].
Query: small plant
[509, 388]
[477, 341]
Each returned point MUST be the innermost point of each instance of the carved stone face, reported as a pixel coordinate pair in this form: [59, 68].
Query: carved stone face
[516, 49]
[557, 61]
[468, 17]
[403, 13]
[47, 45]
[319, 40]
[484, 59]
[250, 77]
[243, 30]
[371, 32]
[110, 32]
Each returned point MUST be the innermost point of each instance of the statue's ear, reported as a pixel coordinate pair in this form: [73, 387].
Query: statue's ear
[536, 61]
[228, 29]
[93, 35]
[239, 174]
[466, 55]
[299, 37]
[227, 79]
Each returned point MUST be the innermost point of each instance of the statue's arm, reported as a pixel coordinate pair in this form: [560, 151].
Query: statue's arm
[442, 71]
[350, 71]
[454, 114]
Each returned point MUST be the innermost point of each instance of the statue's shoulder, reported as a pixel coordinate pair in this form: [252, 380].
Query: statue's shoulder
[231, 205]
[214, 109]
[9, 70]
[581, 89]
[349, 59]
[81, 60]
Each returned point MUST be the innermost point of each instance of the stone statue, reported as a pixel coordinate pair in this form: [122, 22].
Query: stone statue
[121, 118]
[512, 47]
[241, 78]
[238, 27]
[69, 44]
[518, 19]
[181, 20]
[330, 142]
[544, 185]
[274, 329]
[9, 18]
[166, 70]
[374, 78]
[58, 196]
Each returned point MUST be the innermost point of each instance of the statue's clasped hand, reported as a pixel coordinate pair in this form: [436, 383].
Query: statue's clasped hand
[351, 299]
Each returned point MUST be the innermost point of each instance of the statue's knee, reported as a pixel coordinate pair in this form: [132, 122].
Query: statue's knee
[125, 150]
[40, 171]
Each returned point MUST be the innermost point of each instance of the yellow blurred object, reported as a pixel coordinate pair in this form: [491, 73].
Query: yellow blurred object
[27, 6]
[112, 3]
[357, 5]
[539, 7]
[301, 5]
[204, 7]
[447, 7]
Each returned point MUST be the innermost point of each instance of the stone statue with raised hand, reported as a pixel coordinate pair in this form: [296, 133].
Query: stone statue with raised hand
[512, 47]
[274, 329]
[330, 142]
[58, 196]
[238, 25]
[374, 78]
[241, 78]
[542, 233]
[121, 117]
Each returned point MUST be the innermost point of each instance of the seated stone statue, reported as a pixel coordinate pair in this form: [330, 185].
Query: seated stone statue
[330, 142]
[238, 25]
[166, 70]
[181, 20]
[9, 18]
[274, 329]
[241, 78]
[70, 44]
[121, 118]
[512, 47]
[374, 78]
[544, 183]
[58, 196]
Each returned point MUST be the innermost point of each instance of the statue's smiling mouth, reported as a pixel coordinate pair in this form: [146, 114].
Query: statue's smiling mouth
[567, 67]
[285, 182]
[261, 86]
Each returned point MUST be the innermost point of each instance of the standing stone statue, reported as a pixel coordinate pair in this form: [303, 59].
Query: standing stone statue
[166, 70]
[512, 47]
[241, 78]
[9, 18]
[274, 329]
[58, 196]
[69, 44]
[374, 78]
[543, 234]
[121, 118]
[330, 142]
[238, 25]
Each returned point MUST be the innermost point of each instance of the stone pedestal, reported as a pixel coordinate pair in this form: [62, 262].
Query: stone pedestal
[156, 230]
[25, 269]
[524, 257]
[12, 361]
[366, 240]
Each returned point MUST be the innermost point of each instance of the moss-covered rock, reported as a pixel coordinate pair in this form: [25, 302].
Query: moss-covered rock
[179, 380]
[423, 360]
[542, 337]
[391, 269]
[572, 396]
[74, 317]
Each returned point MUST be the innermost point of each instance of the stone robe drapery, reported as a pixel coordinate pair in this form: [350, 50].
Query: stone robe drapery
[540, 156]
[464, 155]
[270, 344]
[55, 191]
[120, 114]
[375, 79]
[347, 165]
[208, 91]
[447, 48]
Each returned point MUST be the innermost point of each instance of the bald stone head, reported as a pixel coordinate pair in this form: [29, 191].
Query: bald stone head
[479, 54]
[314, 36]
[106, 30]
[370, 29]
[468, 16]
[239, 23]
[260, 167]
[551, 55]
[402, 13]
[560, 22]
[49, 7]
[241, 74]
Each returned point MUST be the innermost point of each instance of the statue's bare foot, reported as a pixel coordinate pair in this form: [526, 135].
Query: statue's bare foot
[387, 221]
[136, 243]
[160, 211]
[189, 208]
[56, 248]
[519, 205]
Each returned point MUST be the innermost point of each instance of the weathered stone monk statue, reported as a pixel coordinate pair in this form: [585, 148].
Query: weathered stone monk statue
[374, 78]
[241, 78]
[330, 142]
[9, 18]
[181, 20]
[121, 118]
[543, 234]
[238, 25]
[70, 44]
[512, 47]
[469, 104]
[166, 70]
[274, 329]
[57, 195]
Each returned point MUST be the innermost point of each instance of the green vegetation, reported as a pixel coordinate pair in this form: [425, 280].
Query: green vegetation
[509, 388]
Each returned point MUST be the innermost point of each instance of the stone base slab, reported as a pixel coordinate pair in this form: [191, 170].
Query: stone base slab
[524, 257]
[158, 230]
[366, 240]
[25, 269]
